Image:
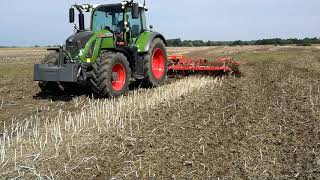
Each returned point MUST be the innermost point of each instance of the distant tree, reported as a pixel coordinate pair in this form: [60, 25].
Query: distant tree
[305, 42]
[209, 43]
[188, 44]
[198, 43]
[237, 43]
[174, 42]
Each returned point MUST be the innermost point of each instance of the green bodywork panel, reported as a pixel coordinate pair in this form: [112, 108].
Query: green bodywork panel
[100, 40]
[104, 40]
[142, 41]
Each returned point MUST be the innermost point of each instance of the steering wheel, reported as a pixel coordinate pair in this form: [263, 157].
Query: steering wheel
[107, 28]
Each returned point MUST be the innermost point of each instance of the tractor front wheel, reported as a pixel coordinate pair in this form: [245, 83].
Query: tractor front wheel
[111, 74]
[155, 64]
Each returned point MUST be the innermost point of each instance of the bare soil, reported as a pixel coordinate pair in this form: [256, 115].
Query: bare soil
[20, 97]
[262, 125]
[265, 124]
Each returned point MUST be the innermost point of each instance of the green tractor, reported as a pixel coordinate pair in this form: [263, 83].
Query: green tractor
[116, 50]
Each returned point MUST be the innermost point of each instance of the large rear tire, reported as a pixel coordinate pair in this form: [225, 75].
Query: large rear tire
[111, 74]
[155, 64]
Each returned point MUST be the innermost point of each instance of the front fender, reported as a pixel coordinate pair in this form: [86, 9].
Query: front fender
[144, 41]
[100, 40]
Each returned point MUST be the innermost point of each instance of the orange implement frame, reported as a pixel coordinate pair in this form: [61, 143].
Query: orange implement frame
[178, 63]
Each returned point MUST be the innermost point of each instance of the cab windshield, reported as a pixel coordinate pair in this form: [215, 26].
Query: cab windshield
[108, 17]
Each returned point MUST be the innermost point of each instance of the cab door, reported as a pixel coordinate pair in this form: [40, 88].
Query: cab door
[135, 26]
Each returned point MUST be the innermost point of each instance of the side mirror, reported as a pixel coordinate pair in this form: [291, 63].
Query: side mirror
[135, 11]
[71, 15]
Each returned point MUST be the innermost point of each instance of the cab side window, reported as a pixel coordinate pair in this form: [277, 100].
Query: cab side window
[136, 25]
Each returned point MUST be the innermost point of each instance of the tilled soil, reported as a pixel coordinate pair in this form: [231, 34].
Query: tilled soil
[20, 97]
[264, 124]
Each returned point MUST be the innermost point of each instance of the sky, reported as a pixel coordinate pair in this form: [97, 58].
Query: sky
[45, 22]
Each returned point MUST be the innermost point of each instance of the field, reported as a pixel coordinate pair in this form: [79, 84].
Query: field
[264, 124]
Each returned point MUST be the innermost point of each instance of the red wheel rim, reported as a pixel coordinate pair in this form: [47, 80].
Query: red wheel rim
[158, 63]
[118, 78]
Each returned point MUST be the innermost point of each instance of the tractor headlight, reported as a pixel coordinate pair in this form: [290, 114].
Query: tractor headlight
[86, 7]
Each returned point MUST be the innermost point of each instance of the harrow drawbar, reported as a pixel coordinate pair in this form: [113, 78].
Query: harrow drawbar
[179, 65]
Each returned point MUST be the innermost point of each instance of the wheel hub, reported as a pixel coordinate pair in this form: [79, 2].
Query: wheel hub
[114, 76]
[158, 63]
[118, 77]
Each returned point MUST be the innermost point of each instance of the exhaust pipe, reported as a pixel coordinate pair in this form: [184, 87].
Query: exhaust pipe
[81, 21]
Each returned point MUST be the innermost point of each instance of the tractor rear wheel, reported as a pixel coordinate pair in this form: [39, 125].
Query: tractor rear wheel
[50, 87]
[111, 74]
[155, 64]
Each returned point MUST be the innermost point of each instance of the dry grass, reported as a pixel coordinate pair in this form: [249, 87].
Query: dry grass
[24, 146]
[18, 56]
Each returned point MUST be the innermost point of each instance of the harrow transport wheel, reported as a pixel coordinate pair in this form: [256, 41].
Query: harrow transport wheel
[155, 64]
[50, 87]
[111, 74]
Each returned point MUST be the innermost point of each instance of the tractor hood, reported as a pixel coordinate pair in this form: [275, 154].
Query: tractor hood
[78, 41]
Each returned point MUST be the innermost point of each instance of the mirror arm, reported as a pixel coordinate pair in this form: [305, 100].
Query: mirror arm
[78, 7]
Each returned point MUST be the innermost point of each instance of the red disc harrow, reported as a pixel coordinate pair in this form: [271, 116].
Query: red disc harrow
[179, 65]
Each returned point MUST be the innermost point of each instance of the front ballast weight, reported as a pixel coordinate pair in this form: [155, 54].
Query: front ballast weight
[59, 71]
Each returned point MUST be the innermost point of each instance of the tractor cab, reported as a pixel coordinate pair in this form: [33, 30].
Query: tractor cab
[126, 20]
[127, 24]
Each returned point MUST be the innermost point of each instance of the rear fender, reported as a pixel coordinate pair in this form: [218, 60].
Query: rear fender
[144, 41]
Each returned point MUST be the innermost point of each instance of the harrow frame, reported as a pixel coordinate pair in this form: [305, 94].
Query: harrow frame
[178, 64]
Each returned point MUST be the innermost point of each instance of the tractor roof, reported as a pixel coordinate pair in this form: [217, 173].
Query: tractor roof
[115, 4]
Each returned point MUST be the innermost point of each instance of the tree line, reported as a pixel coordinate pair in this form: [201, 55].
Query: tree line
[196, 43]
[275, 41]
